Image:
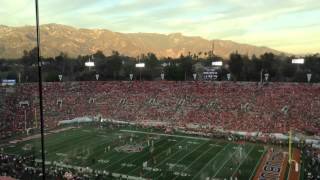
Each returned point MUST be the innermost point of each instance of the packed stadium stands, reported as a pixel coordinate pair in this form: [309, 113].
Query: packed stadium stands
[237, 106]
[27, 167]
[7, 103]
[311, 168]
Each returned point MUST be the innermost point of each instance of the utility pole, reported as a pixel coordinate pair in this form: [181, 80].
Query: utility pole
[40, 90]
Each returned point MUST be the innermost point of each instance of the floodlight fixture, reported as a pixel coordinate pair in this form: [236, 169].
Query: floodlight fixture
[164, 64]
[140, 65]
[298, 61]
[89, 64]
[309, 75]
[217, 63]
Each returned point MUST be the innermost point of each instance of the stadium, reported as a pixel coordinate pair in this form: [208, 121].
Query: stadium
[159, 90]
[162, 129]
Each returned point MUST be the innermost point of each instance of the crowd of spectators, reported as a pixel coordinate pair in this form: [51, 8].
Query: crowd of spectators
[230, 106]
[311, 158]
[26, 167]
[7, 111]
[243, 106]
[17, 166]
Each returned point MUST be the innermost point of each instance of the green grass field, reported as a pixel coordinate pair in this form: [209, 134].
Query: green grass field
[174, 156]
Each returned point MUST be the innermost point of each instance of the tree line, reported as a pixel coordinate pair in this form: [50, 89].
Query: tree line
[118, 67]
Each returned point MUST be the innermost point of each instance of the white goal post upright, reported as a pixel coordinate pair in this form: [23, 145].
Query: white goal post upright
[291, 161]
[290, 154]
[290, 146]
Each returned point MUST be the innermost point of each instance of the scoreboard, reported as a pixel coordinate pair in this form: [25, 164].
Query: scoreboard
[210, 74]
[8, 82]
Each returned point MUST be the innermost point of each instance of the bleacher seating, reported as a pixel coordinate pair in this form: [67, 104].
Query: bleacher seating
[242, 106]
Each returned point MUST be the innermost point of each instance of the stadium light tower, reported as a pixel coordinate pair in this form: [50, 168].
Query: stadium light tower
[60, 77]
[266, 76]
[298, 62]
[162, 76]
[229, 76]
[195, 76]
[131, 76]
[89, 63]
[309, 75]
[140, 66]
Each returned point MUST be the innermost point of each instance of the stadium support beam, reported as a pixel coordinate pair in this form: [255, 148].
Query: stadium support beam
[40, 90]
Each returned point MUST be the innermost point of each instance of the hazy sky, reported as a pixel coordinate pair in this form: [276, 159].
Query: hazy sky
[288, 25]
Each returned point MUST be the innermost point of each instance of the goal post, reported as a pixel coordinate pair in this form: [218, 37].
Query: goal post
[290, 146]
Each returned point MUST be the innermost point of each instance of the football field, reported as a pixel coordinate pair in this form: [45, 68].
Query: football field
[138, 152]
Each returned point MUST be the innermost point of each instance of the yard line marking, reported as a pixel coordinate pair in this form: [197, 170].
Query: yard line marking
[255, 168]
[212, 159]
[180, 142]
[155, 156]
[162, 134]
[129, 155]
[205, 152]
[180, 159]
[225, 163]
[243, 160]
[165, 160]
[119, 160]
[140, 157]
[190, 153]
[114, 155]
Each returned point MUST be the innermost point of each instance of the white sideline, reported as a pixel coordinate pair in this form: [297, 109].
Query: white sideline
[255, 168]
[161, 134]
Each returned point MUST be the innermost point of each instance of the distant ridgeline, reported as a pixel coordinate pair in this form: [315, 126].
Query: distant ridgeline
[57, 38]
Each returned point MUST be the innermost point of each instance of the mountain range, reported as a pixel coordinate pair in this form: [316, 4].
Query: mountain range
[56, 38]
